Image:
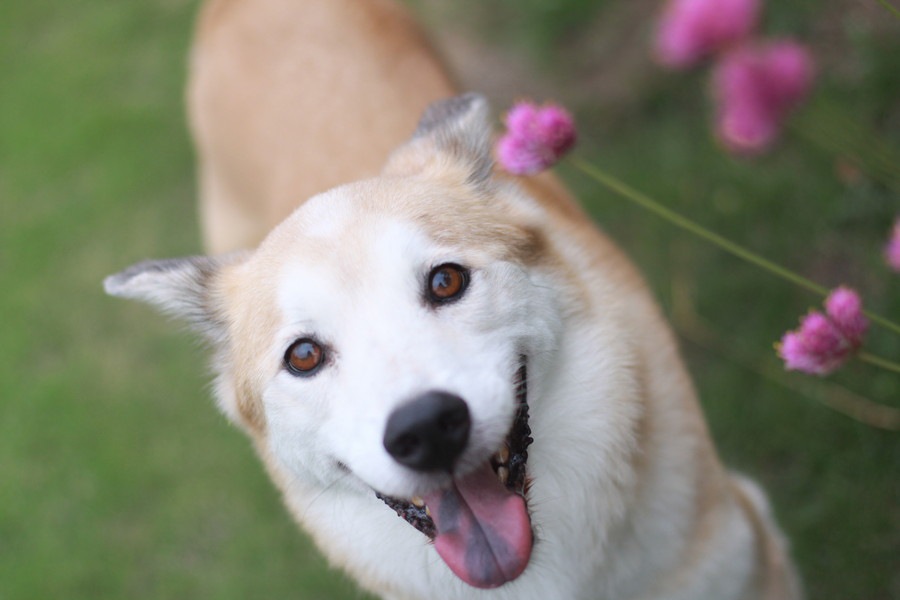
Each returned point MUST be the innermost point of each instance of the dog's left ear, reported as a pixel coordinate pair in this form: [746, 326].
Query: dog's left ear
[185, 288]
[455, 133]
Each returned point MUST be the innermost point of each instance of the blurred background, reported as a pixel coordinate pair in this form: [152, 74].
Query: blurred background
[118, 477]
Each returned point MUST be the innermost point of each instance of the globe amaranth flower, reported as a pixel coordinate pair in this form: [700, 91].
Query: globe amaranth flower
[755, 86]
[844, 307]
[690, 30]
[824, 342]
[892, 250]
[536, 137]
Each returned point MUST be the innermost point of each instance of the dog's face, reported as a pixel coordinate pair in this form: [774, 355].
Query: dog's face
[379, 338]
[372, 305]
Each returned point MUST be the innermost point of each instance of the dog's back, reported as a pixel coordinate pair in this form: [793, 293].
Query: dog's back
[288, 99]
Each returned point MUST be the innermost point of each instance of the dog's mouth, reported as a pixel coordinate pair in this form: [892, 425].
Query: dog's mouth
[480, 523]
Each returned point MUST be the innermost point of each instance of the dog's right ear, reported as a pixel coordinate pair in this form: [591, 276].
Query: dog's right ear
[185, 288]
[453, 132]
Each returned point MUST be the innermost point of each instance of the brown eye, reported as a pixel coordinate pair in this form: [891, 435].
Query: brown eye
[304, 356]
[447, 282]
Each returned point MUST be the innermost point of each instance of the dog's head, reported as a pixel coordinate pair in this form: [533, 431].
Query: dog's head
[379, 338]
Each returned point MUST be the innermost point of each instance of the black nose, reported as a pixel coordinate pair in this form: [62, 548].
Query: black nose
[428, 433]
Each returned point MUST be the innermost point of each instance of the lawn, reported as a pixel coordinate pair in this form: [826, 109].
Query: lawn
[120, 479]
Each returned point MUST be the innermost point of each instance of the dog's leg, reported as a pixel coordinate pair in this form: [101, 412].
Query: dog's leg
[778, 579]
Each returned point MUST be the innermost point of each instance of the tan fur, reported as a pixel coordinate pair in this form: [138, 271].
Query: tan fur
[252, 314]
[289, 98]
[775, 575]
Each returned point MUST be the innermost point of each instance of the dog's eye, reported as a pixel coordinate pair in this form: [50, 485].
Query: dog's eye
[447, 282]
[304, 357]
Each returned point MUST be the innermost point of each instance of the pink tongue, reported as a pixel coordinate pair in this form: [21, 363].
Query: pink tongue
[484, 532]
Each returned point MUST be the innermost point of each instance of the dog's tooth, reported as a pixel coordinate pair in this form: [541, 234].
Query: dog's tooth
[503, 474]
[427, 511]
[502, 455]
[417, 501]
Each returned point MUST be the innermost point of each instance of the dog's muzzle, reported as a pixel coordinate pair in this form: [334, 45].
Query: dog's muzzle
[480, 522]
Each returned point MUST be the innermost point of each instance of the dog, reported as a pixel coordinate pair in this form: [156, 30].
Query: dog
[460, 386]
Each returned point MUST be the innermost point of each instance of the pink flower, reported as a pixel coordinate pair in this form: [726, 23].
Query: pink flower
[536, 138]
[824, 342]
[815, 348]
[755, 87]
[690, 30]
[844, 307]
[892, 250]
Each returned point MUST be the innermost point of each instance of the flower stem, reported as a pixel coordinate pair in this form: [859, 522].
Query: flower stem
[875, 318]
[879, 362]
[830, 394]
[833, 131]
[891, 8]
[678, 220]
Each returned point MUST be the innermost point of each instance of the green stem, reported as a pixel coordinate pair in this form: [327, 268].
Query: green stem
[678, 220]
[879, 362]
[832, 131]
[878, 319]
[891, 8]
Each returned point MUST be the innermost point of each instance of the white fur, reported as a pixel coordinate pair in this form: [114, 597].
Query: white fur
[390, 346]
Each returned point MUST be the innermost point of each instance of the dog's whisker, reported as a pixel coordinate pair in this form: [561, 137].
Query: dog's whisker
[323, 491]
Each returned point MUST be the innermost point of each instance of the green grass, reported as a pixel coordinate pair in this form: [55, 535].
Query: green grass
[120, 479]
